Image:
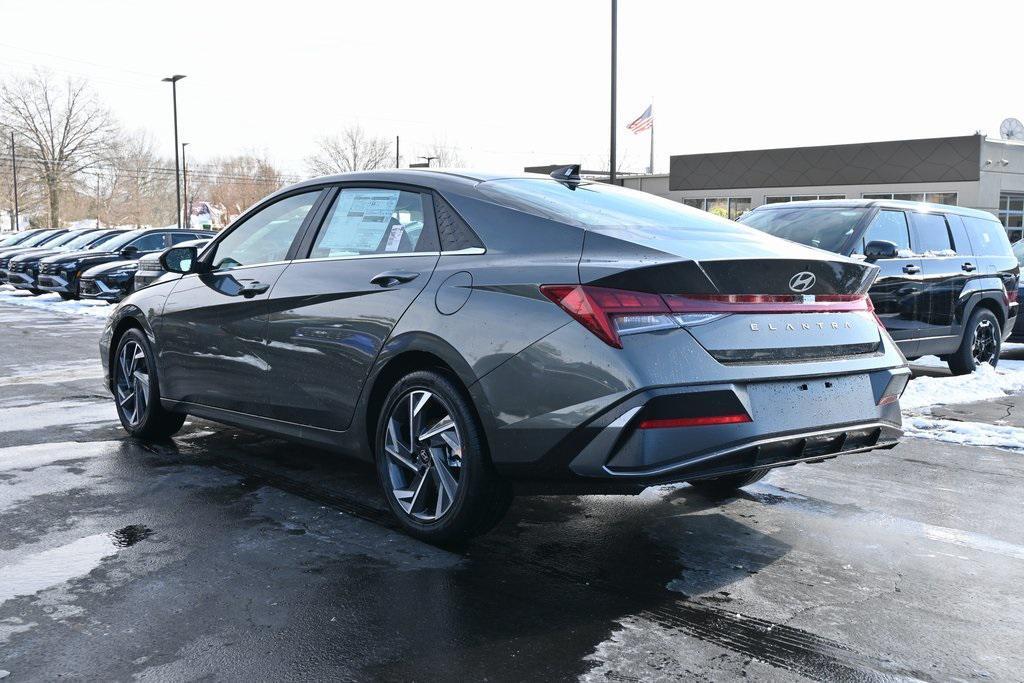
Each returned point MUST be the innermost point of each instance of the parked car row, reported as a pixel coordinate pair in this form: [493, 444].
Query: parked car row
[96, 263]
[948, 282]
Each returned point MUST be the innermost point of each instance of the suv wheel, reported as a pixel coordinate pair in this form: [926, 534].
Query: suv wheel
[720, 487]
[432, 462]
[981, 343]
[137, 390]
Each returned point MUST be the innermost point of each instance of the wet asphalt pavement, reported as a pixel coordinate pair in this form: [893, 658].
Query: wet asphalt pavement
[229, 555]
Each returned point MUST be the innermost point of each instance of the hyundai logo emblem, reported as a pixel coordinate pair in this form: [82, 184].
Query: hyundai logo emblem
[802, 281]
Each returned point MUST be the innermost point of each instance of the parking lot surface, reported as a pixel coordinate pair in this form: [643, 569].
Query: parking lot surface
[227, 554]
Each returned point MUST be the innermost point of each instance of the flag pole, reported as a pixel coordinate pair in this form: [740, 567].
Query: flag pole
[650, 169]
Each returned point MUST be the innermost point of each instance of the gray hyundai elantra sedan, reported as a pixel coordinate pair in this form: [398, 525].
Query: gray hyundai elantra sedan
[477, 335]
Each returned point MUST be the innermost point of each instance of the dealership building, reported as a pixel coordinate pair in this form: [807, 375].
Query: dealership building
[972, 171]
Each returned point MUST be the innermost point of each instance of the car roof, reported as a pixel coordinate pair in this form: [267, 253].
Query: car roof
[881, 203]
[435, 178]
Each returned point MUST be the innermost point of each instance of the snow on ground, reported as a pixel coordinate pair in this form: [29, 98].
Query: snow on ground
[53, 302]
[985, 383]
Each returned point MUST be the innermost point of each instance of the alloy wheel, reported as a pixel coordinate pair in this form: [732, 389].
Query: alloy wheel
[985, 344]
[424, 455]
[132, 384]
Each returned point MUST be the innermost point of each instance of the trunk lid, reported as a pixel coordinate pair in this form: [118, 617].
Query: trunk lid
[729, 259]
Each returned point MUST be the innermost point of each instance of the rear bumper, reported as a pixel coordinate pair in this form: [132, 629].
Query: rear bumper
[790, 421]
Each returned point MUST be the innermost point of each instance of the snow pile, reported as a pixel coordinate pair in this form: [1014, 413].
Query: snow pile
[983, 384]
[965, 433]
[53, 302]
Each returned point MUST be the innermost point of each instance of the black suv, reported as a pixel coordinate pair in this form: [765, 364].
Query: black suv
[948, 279]
[60, 273]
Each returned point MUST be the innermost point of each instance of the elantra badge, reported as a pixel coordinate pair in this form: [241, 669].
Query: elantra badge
[802, 281]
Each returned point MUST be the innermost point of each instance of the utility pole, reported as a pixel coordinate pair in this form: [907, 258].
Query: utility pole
[397, 164]
[14, 168]
[615, 20]
[184, 186]
[97, 201]
[173, 80]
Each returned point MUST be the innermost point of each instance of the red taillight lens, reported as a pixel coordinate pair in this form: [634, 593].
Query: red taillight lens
[1011, 295]
[595, 307]
[608, 312]
[667, 423]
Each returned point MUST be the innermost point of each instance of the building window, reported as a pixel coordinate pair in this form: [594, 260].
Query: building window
[1011, 214]
[781, 199]
[725, 207]
[949, 198]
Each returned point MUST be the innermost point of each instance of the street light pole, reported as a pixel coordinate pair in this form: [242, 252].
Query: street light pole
[397, 157]
[14, 169]
[615, 20]
[173, 80]
[184, 186]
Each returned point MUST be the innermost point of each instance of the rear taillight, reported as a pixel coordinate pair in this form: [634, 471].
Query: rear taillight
[609, 313]
[1011, 295]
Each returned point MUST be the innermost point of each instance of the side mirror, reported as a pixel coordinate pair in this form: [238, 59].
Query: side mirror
[179, 259]
[876, 250]
[130, 252]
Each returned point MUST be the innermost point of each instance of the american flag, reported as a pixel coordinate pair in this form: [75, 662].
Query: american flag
[642, 122]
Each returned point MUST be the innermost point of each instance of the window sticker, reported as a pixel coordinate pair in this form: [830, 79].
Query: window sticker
[360, 219]
[394, 238]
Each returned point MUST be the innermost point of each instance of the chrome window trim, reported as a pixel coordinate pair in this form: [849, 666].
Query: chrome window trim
[471, 251]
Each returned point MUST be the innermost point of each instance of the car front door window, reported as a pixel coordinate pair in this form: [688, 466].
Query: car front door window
[266, 236]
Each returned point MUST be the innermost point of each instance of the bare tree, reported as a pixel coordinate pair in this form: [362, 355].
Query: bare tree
[444, 155]
[238, 182]
[141, 184]
[353, 150]
[63, 125]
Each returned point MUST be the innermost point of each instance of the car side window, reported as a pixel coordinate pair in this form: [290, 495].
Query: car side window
[154, 241]
[987, 236]
[931, 235]
[179, 237]
[890, 226]
[266, 236]
[366, 221]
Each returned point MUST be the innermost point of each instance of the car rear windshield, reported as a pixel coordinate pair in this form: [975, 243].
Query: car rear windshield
[594, 205]
[829, 228]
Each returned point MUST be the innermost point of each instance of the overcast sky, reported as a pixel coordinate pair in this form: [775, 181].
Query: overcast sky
[526, 82]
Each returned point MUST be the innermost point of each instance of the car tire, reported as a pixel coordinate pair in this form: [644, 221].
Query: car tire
[65, 296]
[417, 474]
[720, 487]
[136, 388]
[981, 343]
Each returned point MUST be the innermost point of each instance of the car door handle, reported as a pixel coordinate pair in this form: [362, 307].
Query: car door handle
[390, 278]
[911, 269]
[969, 267]
[252, 288]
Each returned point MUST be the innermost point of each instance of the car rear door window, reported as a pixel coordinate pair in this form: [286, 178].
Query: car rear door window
[987, 236]
[888, 226]
[266, 236]
[369, 221]
[931, 235]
